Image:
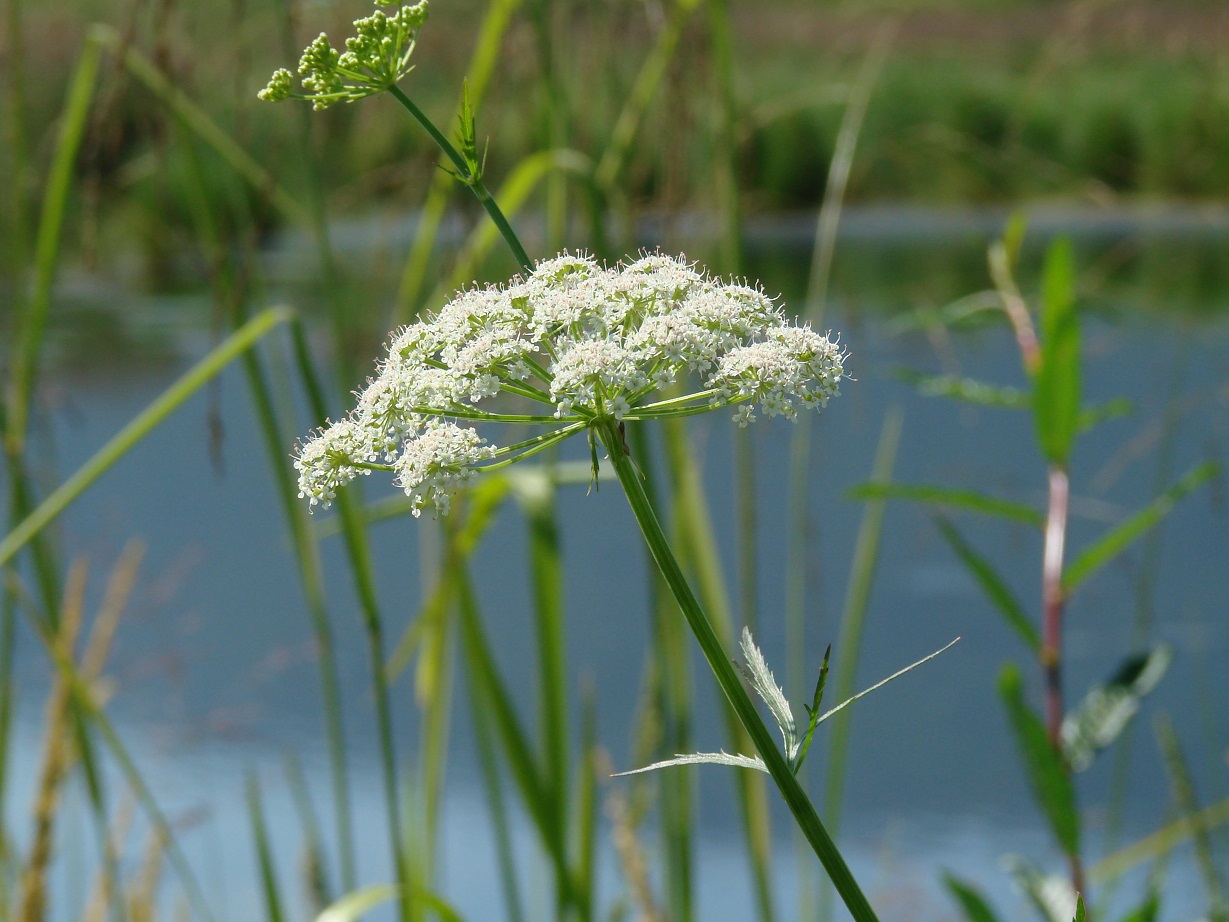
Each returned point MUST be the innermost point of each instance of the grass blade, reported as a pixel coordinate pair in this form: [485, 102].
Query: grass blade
[28, 338]
[264, 854]
[119, 445]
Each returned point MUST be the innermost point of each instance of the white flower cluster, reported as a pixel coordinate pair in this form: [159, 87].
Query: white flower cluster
[584, 342]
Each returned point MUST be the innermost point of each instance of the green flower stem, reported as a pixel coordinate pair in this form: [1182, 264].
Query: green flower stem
[719, 661]
[466, 176]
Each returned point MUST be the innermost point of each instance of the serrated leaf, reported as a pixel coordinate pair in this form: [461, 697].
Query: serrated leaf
[767, 688]
[968, 390]
[972, 903]
[1051, 895]
[991, 583]
[1056, 386]
[702, 758]
[1051, 784]
[1107, 709]
[946, 496]
[1118, 539]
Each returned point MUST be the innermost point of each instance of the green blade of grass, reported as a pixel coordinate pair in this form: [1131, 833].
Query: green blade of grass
[122, 442]
[1188, 805]
[969, 500]
[992, 584]
[264, 854]
[1118, 539]
[28, 339]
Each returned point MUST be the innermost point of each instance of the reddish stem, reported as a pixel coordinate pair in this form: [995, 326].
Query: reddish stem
[1052, 599]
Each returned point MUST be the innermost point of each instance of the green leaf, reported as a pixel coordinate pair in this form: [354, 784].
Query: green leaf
[1056, 388]
[1103, 412]
[702, 758]
[974, 905]
[1146, 911]
[1048, 775]
[946, 496]
[354, 905]
[1013, 238]
[1080, 912]
[967, 390]
[991, 583]
[1118, 539]
[770, 692]
[1107, 709]
[1050, 894]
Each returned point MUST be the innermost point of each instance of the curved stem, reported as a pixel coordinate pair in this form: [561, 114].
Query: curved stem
[719, 661]
[464, 175]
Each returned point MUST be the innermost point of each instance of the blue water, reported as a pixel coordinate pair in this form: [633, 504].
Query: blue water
[214, 675]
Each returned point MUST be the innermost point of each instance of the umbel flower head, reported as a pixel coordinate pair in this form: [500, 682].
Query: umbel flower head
[377, 56]
[581, 344]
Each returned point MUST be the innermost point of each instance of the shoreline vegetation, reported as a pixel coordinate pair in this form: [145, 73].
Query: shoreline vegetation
[1113, 104]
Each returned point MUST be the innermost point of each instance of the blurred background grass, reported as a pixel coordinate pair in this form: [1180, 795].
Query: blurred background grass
[1091, 101]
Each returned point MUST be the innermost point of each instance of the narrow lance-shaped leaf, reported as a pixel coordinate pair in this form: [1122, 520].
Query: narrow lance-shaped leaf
[702, 758]
[991, 583]
[1056, 388]
[1051, 784]
[967, 390]
[1118, 539]
[972, 903]
[813, 710]
[946, 496]
[1107, 709]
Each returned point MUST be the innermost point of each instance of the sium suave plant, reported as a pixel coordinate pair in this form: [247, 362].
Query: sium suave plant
[569, 346]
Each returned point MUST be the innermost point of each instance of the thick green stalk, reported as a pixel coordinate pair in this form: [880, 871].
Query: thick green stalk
[723, 670]
[464, 175]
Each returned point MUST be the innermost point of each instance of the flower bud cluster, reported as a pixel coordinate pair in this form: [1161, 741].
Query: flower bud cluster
[585, 343]
[376, 57]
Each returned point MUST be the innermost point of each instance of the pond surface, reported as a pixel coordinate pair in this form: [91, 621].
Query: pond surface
[213, 666]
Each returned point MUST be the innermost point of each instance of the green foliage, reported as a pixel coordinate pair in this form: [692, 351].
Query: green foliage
[1056, 383]
[972, 903]
[1051, 783]
[995, 587]
[1118, 539]
[1106, 709]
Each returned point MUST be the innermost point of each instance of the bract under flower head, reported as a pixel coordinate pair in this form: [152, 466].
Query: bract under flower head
[580, 342]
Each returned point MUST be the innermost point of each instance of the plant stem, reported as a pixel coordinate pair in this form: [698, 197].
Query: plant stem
[1053, 598]
[719, 661]
[463, 173]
